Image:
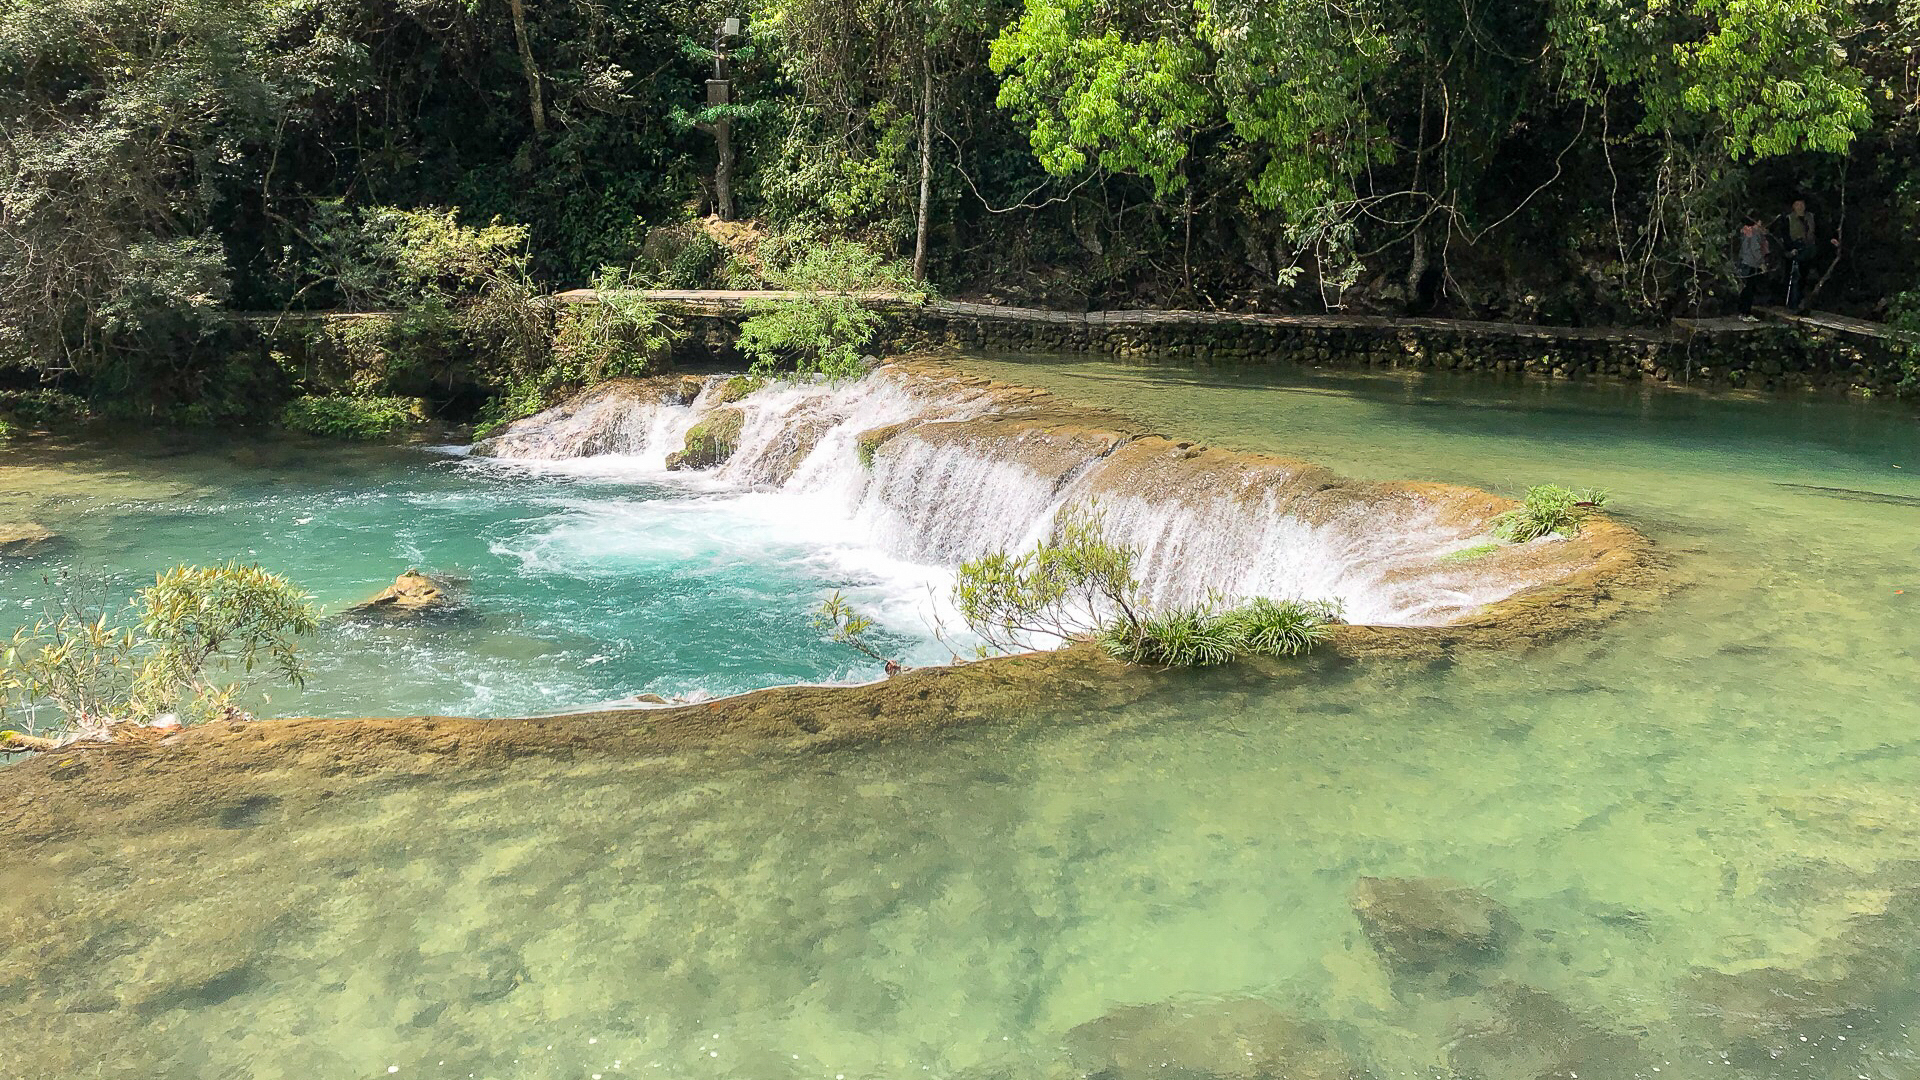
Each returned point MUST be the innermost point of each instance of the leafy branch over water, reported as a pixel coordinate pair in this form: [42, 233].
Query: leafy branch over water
[189, 646]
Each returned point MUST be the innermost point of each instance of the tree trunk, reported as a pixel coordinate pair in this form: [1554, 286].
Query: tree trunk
[534, 101]
[926, 171]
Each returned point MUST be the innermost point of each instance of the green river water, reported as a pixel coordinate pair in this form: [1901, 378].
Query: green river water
[1727, 784]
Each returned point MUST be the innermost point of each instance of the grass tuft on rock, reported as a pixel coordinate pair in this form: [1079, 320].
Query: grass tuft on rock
[1548, 509]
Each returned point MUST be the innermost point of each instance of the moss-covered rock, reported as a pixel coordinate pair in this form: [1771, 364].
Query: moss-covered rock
[711, 441]
[737, 387]
[412, 593]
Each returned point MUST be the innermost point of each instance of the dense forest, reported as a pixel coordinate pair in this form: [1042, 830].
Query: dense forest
[167, 163]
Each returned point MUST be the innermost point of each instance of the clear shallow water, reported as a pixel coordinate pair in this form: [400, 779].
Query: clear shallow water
[1719, 785]
[577, 585]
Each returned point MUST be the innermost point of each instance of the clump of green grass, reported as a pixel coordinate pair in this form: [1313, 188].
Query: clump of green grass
[1548, 508]
[1177, 637]
[1478, 551]
[1267, 627]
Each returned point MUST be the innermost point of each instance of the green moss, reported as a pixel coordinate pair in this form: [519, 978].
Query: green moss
[356, 418]
[711, 441]
[738, 387]
[1469, 554]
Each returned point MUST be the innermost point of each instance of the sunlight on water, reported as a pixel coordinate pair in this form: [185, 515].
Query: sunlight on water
[1700, 823]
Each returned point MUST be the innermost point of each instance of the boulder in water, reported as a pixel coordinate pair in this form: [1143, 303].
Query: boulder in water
[24, 537]
[1428, 925]
[610, 418]
[711, 441]
[1243, 1039]
[412, 593]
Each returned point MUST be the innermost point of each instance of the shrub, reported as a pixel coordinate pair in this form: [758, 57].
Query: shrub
[824, 331]
[36, 408]
[357, 418]
[1548, 509]
[844, 626]
[1067, 587]
[619, 335]
[190, 644]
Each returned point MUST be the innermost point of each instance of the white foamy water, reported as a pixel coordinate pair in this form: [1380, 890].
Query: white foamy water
[932, 497]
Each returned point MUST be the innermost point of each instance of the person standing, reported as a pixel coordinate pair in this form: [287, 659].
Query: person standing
[1750, 265]
[1802, 238]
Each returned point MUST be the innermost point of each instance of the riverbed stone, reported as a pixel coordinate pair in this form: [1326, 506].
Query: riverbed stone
[711, 441]
[1518, 1032]
[412, 593]
[1784, 1014]
[24, 538]
[1243, 1039]
[1430, 925]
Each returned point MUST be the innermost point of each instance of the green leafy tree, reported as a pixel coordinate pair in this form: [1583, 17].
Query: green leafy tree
[826, 329]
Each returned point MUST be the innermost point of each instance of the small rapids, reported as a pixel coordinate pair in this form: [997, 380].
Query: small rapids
[903, 469]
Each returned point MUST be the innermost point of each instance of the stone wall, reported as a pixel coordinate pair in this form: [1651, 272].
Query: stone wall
[1774, 356]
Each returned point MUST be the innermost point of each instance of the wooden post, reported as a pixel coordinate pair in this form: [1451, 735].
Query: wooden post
[720, 93]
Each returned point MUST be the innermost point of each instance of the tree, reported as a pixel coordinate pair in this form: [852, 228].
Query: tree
[191, 645]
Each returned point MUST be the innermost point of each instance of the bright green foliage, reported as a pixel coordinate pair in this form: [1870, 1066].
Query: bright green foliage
[827, 328]
[1093, 95]
[193, 643]
[1774, 73]
[619, 335]
[842, 625]
[1548, 509]
[357, 418]
[1205, 635]
[1068, 587]
[823, 334]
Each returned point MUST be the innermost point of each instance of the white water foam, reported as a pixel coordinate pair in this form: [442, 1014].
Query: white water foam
[907, 517]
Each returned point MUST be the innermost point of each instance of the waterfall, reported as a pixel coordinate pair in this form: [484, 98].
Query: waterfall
[935, 470]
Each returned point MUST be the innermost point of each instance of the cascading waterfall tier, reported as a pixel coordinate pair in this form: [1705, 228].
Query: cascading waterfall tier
[937, 467]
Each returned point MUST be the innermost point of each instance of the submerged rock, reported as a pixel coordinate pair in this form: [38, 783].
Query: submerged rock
[24, 537]
[711, 441]
[611, 418]
[1783, 1015]
[1244, 1039]
[1515, 1032]
[1430, 925]
[412, 593]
